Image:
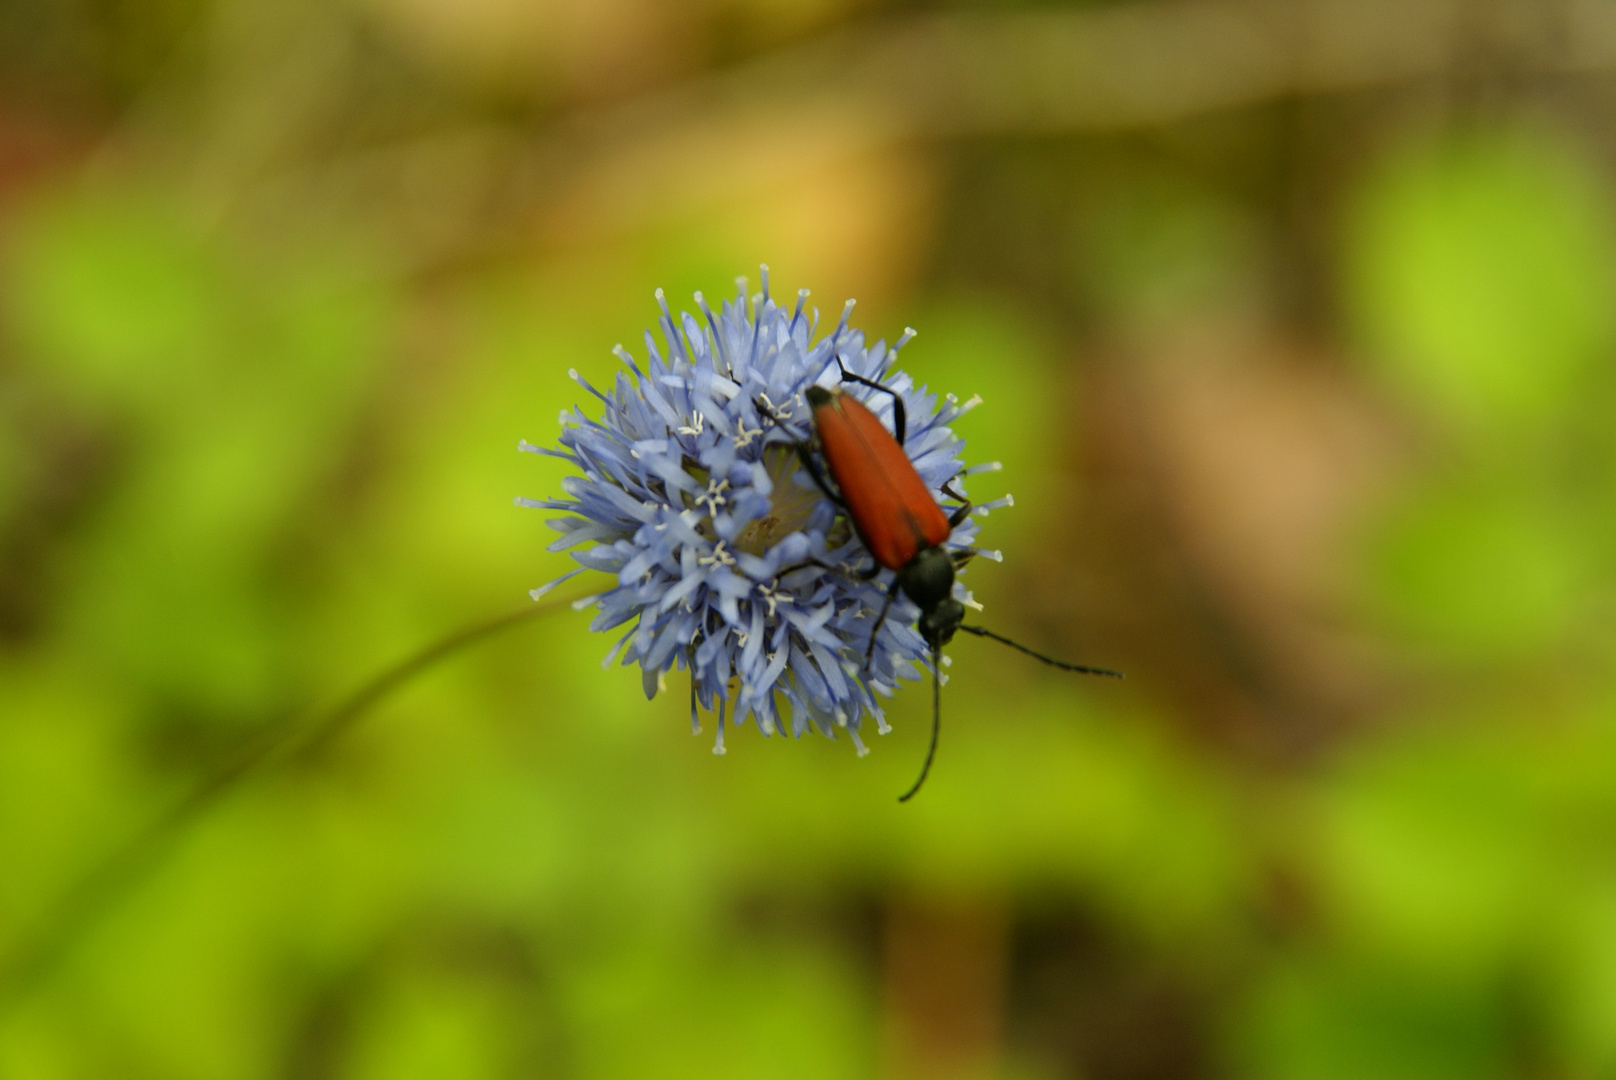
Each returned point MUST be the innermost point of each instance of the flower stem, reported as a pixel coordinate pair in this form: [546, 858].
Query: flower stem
[298, 736]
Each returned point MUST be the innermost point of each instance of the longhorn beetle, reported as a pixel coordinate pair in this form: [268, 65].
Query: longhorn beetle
[901, 524]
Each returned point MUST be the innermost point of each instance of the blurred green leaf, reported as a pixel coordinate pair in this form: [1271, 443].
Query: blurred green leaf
[1333, 1020]
[1482, 271]
[1480, 572]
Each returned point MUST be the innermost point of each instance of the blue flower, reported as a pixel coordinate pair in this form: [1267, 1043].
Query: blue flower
[729, 562]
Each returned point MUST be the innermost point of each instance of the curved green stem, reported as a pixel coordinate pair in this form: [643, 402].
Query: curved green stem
[296, 736]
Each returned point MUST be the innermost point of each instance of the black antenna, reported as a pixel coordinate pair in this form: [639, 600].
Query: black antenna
[1081, 669]
[936, 720]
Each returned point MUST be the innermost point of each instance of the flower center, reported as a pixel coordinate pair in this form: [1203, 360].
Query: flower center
[790, 506]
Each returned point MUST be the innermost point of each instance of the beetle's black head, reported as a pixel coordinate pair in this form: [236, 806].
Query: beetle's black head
[928, 580]
[938, 623]
[817, 396]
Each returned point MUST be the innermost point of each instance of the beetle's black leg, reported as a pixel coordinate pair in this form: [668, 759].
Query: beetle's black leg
[805, 564]
[869, 653]
[960, 512]
[812, 467]
[900, 419]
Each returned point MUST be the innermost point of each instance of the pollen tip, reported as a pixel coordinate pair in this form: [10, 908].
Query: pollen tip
[572, 373]
[584, 601]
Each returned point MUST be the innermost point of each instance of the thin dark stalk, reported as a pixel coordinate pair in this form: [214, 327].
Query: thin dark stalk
[296, 736]
[936, 721]
[1050, 660]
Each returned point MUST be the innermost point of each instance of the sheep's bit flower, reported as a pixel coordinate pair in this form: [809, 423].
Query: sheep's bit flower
[729, 561]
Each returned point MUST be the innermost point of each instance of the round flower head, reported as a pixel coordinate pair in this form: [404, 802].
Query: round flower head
[730, 562]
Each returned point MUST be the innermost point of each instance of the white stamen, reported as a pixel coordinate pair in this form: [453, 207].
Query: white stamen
[719, 557]
[778, 413]
[714, 497]
[542, 589]
[996, 504]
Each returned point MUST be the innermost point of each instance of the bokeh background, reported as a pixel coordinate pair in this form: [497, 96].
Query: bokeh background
[1296, 325]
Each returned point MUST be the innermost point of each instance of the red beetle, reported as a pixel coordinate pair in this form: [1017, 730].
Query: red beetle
[901, 524]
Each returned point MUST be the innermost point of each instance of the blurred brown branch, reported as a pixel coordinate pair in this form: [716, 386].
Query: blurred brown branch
[918, 79]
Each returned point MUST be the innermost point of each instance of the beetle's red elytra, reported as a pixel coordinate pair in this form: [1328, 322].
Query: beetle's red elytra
[894, 513]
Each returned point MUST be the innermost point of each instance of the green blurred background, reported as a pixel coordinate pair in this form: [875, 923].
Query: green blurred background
[1295, 326]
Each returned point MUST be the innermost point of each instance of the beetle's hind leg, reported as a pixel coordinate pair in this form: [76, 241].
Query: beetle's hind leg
[962, 511]
[806, 456]
[881, 620]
